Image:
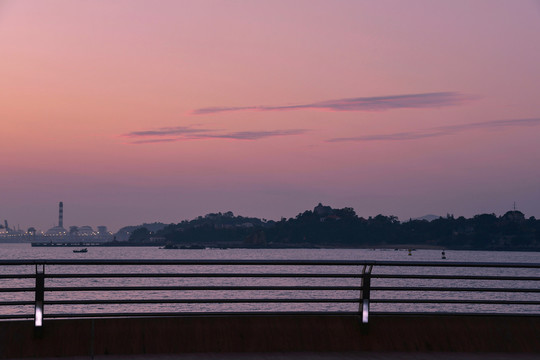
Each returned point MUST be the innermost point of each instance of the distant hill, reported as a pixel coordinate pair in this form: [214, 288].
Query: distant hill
[124, 233]
[326, 227]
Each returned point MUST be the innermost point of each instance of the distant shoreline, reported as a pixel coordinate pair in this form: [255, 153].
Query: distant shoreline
[404, 247]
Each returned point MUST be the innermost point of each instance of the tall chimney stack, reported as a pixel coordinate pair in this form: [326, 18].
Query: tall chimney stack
[61, 214]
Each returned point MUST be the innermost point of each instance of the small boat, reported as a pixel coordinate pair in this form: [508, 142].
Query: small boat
[81, 250]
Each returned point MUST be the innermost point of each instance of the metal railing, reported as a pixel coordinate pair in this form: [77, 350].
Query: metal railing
[45, 289]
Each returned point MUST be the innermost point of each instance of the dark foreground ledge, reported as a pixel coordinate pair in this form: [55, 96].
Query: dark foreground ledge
[256, 334]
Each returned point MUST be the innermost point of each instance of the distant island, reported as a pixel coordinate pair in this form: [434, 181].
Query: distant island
[325, 227]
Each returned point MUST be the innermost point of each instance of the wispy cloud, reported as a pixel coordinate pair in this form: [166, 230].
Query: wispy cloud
[167, 131]
[378, 103]
[184, 133]
[441, 130]
[153, 141]
[253, 135]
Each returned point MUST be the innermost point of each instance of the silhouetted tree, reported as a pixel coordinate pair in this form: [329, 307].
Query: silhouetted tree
[139, 235]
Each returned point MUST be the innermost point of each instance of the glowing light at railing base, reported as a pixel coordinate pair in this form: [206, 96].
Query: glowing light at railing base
[365, 311]
[38, 318]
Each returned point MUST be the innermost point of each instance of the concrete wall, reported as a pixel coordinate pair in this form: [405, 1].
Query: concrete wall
[78, 337]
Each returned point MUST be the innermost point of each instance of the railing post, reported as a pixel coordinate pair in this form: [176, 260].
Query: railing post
[40, 295]
[365, 293]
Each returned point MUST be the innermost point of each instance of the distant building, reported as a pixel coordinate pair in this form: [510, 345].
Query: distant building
[58, 230]
[86, 230]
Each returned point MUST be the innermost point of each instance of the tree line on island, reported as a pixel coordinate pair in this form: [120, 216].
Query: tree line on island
[326, 227]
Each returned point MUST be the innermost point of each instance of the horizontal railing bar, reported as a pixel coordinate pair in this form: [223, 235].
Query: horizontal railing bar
[454, 301]
[201, 288]
[21, 289]
[274, 288]
[277, 275]
[446, 313]
[258, 313]
[190, 262]
[455, 277]
[451, 289]
[16, 303]
[16, 316]
[271, 313]
[193, 301]
[17, 276]
[204, 275]
[265, 262]
[203, 314]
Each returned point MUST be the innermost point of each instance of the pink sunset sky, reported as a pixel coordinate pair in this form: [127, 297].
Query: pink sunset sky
[135, 111]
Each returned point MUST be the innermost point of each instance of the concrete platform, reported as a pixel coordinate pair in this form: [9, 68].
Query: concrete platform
[314, 356]
[277, 337]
